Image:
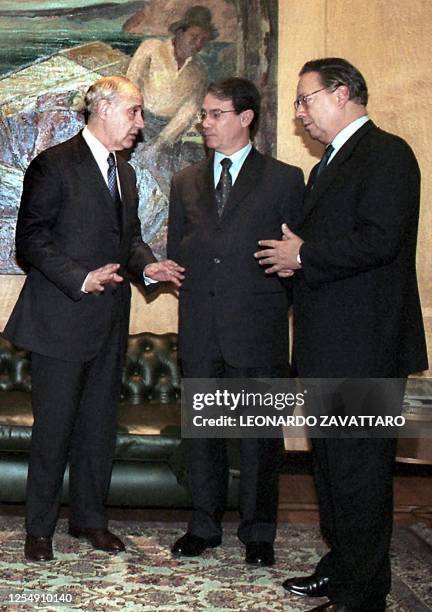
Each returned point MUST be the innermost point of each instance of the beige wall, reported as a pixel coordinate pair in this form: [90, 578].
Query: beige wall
[389, 42]
[158, 315]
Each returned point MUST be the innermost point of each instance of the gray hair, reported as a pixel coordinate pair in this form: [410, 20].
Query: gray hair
[107, 88]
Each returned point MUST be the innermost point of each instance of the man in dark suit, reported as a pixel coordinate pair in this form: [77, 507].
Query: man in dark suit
[232, 317]
[79, 235]
[356, 315]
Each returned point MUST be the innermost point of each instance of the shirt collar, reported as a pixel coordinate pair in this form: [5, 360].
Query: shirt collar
[237, 158]
[173, 57]
[341, 138]
[99, 151]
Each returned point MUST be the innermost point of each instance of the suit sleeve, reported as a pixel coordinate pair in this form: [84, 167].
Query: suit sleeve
[388, 205]
[140, 254]
[40, 206]
[291, 212]
[175, 224]
[292, 202]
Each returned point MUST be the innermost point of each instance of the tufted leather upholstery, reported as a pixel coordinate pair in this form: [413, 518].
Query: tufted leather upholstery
[148, 451]
[14, 368]
[150, 371]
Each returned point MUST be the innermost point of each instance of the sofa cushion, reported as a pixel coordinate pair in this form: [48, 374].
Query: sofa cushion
[149, 413]
[145, 431]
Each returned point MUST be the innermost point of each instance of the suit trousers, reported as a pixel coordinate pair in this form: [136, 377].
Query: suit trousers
[207, 466]
[354, 482]
[75, 420]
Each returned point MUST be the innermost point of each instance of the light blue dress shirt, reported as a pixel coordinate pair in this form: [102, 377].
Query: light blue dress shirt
[237, 159]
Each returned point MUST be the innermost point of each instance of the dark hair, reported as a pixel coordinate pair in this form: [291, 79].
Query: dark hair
[185, 28]
[197, 15]
[243, 94]
[334, 72]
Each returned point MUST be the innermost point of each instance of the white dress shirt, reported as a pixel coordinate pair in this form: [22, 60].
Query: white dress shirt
[341, 138]
[100, 153]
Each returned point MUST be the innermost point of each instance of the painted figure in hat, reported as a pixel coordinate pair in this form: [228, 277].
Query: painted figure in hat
[171, 76]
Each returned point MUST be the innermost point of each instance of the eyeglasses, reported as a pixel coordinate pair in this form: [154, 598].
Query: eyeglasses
[304, 100]
[213, 113]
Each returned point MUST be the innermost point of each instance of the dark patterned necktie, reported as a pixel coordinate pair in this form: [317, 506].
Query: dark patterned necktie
[113, 187]
[223, 188]
[112, 177]
[324, 160]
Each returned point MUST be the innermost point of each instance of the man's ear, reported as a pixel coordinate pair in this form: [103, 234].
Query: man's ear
[103, 108]
[342, 94]
[246, 117]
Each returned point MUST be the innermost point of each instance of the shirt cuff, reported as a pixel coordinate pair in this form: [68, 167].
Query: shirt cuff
[84, 283]
[148, 280]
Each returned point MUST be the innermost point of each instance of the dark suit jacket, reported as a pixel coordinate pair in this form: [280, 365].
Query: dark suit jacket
[222, 275]
[67, 226]
[356, 302]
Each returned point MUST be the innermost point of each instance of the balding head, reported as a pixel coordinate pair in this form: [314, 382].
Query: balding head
[114, 106]
[107, 88]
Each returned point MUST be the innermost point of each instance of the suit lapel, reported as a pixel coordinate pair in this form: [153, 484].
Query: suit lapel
[313, 195]
[91, 176]
[204, 184]
[89, 171]
[247, 180]
[127, 187]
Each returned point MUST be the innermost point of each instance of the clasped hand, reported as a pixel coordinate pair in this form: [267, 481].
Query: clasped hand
[280, 255]
[166, 270]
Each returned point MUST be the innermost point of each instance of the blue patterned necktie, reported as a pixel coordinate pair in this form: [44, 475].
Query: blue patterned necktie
[113, 187]
[223, 188]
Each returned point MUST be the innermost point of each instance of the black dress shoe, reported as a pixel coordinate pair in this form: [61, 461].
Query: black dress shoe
[377, 606]
[260, 553]
[191, 545]
[38, 548]
[332, 607]
[102, 539]
[307, 586]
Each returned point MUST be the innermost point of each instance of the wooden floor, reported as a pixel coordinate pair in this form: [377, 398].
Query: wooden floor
[412, 492]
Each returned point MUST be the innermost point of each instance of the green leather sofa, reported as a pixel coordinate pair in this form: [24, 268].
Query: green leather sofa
[149, 466]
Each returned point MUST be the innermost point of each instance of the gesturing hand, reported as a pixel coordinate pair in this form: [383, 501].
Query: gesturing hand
[106, 275]
[166, 270]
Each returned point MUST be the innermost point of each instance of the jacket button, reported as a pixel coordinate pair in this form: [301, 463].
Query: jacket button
[212, 293]
[217, 260]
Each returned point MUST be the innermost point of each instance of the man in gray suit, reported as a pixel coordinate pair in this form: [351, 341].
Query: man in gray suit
[79, 235]
[233, 319]
[357, 316]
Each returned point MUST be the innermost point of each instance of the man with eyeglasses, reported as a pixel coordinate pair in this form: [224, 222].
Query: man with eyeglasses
[356, 315]
[232, 317]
